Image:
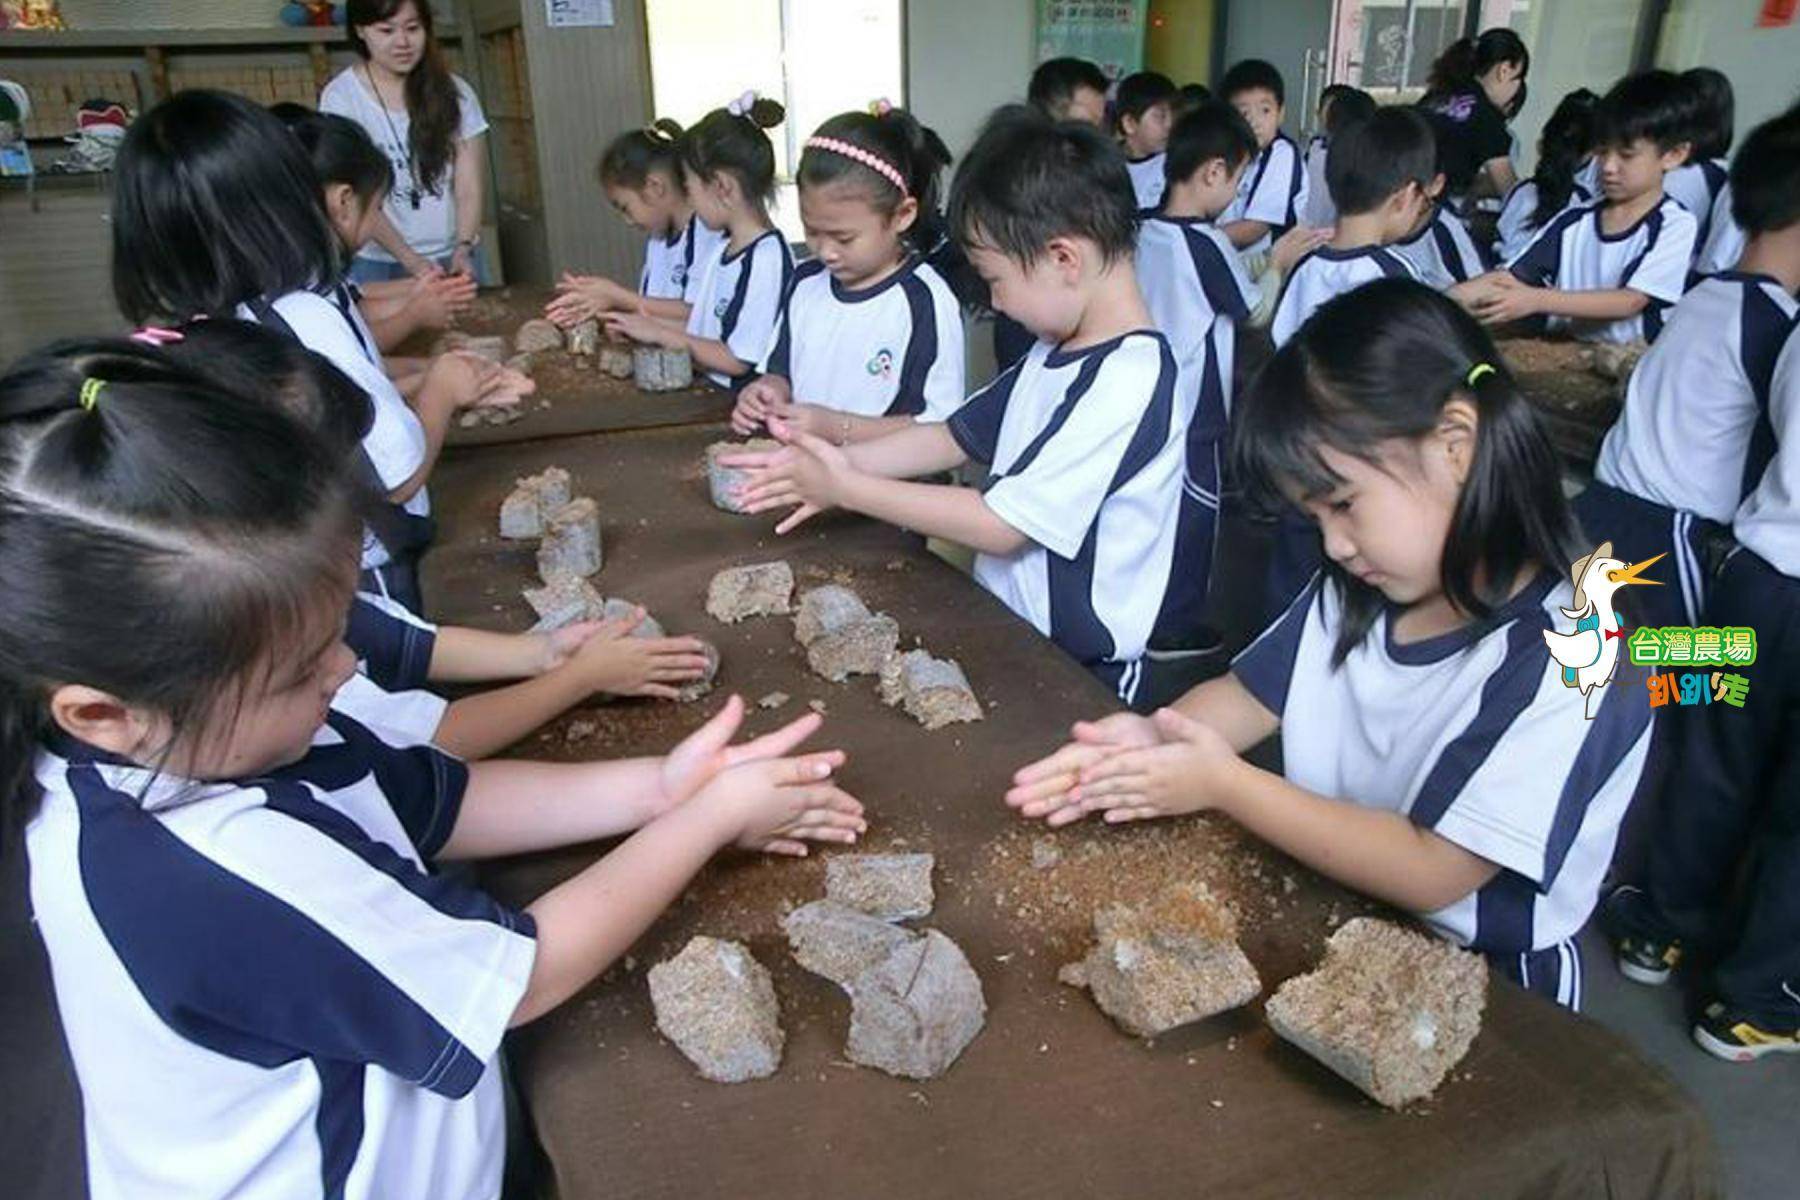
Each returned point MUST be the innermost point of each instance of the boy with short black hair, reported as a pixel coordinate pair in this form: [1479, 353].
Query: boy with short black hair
[1440, 248]
[1143, 111]
[1380, 172]
[1272, 193]
[1340, 105]
[1069, 89]
[1198, 293]
[1606, 271]
[1076, 531]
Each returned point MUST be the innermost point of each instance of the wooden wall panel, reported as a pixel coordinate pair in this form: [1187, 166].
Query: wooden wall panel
[586, 86]
[55, 264]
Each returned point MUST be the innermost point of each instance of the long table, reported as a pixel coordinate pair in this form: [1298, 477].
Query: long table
[1051, 1099]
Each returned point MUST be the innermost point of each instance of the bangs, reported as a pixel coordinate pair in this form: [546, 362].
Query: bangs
[1289, 416]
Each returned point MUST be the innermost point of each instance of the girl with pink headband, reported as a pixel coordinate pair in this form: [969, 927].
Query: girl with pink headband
[870, 335]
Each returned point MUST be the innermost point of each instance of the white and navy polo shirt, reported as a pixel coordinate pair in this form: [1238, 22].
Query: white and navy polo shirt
[892, 349]
[1694, 434]
[1085, 459]
[1148, 179]
[332, 326]
[393, 648]
[272, 957]
[672, 265]
[1769, 521]
[1697, 185]
[1328, 272]
[1195, 287]
[1514, 229]
[1723, 242]
[1573, 254]
[1472, 735]
[1442, 253]
[739, 297]
[1272, 189]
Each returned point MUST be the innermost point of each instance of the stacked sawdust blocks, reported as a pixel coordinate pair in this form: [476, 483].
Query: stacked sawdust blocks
[717, 1004]
[534, 497]
[1390, 1010]
[933, 691]
[1165, 964]
[915, 1002]
[723, 482]
[615, 357]
[583, 340]
[842, 637]
[568, 533]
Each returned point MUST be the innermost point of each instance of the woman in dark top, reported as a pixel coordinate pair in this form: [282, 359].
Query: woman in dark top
[1476, 87]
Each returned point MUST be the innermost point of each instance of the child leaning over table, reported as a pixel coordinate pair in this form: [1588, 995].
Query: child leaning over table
[1082, 437]
[1432, 756]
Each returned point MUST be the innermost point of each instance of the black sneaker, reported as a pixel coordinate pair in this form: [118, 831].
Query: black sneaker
[1646, 951]
[1729, 1034]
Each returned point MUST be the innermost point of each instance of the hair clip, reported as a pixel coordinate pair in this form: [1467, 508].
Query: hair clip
[881, 106]
[151, 335]
[743, 104]
[874, 162]
[90, 393]
[1476, 372]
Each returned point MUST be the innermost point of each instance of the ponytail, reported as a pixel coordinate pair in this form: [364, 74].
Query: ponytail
[731, 140]
[632, 157]
[1567, 141]
[1466, 60]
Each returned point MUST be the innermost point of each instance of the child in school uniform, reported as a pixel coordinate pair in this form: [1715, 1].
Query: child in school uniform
[401, 652]
[729, 165]
[1198, 294]
[1607, 271]
[1339, 105]
[1699, 182]
[1076, 533]
[1693, 437]
[231, 874]
[1069, 89]
[1565, 175]
[1440, 248]
[1380, 174]
[218, 212]
[1734, 787]
[1272, 194]
[1432, 756]
[1143, 110]
[642, 176]
[869, 337]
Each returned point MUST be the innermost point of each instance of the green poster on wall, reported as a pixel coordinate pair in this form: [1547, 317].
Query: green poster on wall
[1107, 32]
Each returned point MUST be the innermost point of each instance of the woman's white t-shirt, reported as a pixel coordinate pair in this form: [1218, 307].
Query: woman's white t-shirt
[429, 228]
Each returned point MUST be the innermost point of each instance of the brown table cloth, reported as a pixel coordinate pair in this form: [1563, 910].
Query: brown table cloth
[572, 397]
[1051, 1099]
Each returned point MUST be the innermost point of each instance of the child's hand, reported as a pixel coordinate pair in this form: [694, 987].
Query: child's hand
[611, 660]
[809, 476]
[581, 297]
[504, 387]
[1505, 299]
[436, 301]
[774, 802]
[1045, 789]
[1296, 242]
[754, 404]
[1175, 777]
[462, 262]
[811, 419]
[647, 330]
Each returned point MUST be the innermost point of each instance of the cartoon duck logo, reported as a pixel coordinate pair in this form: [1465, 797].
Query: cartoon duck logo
[882, 364]
[1590, 655]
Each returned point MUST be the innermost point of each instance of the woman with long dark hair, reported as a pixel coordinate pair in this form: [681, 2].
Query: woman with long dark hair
[1477, 85]
[431, 127]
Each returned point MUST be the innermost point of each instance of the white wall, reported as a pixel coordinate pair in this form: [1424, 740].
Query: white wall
[1574, 44]
[964, 58]
[1763, 64]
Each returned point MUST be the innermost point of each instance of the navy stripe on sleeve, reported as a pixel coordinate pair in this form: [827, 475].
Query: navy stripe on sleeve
[1622, 719]
[1506, 694]
[1763, 329]
[232, 968]
[1216, 279]
[976, 425]
[396, 654]
[1266, 666]
[921, 348]
[1543, 257]
[423, 785]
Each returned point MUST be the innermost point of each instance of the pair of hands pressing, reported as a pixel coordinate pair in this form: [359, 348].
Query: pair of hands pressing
[1126, 768]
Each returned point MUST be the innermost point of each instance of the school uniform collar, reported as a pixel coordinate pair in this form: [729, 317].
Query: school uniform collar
[1145, 158]
[846, 295]
[1332, 254]
[754, 243]
[1185, 222]
[1655, 214]
[1441, 646]
[149, 789]
[1059, 357]
[1437, 213]
[1757, 278]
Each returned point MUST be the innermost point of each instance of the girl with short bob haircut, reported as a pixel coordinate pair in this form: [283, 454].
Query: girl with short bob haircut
[1433, 756]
